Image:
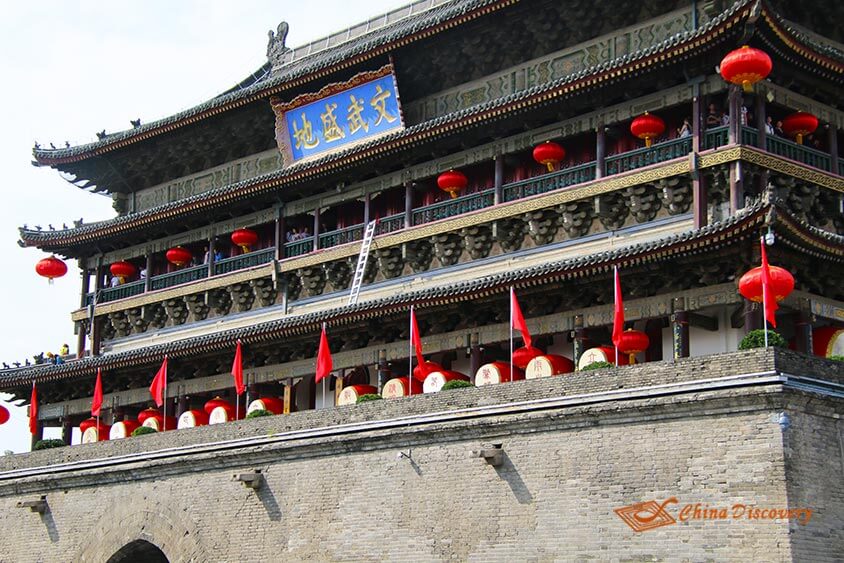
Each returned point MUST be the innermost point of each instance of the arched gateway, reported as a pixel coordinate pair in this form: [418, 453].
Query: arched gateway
[139, 551]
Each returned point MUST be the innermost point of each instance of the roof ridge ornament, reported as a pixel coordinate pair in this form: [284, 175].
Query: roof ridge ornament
[277, 52]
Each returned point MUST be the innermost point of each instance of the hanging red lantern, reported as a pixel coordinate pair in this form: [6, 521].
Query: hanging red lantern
[4, 415]
[782, 283]
[550, 154]
[647, 127]
[50, 268]
[452, 182]
[632, 343]
[244, 238]
[799, 124]
[123, 270]
[178, 256]
[522, 356]
[746, 66]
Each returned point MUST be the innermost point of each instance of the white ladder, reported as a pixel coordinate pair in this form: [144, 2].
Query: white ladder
[360, 269]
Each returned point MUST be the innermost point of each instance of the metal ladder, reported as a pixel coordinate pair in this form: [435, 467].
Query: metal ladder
[357, 281]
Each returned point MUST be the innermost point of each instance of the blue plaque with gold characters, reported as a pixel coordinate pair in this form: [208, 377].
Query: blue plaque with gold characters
[338, 116]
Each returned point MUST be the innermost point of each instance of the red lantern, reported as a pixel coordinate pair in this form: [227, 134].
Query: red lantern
[244, 238]
[178, 256]
[782, 283]
[123, 270]
[746, 66]
[4, 415]
[452, 182]
[647, 127]
[549, 154]
[633, 342]
[799, 124]
[522, 356]
[51, 268]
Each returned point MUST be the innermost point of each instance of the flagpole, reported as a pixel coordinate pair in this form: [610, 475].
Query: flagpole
[764, 300]
[410, 356]
[511, 334]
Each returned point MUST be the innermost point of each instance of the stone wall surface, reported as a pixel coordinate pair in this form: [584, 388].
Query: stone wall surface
[373, 489]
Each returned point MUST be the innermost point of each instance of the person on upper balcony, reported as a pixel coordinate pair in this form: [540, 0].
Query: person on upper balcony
[685, 130]
[713, 118]
[769, 126]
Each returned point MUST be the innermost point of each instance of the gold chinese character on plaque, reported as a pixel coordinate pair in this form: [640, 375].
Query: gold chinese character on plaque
[304, 136]
[330, 130]
[356, 121]
[379, 103]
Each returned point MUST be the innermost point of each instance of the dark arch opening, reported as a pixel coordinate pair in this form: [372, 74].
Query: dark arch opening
[139, 551]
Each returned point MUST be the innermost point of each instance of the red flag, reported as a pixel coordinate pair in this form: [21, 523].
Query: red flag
[415, 337]
[97, 401]
[159, 383]
[324, 365]
[33, 411]
[618, 316]
[768, 297]
[237, 370]
[518, 319]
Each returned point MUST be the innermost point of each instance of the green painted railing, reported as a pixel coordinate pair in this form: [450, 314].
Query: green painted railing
[749, 136]
[800, 153]
[184, 275]
[341, 236]
[298, 247]
[389, 224]
[640, 158]
[122, 291]
[247, 260]
[549, 182]
[716, 137]
[453, 207]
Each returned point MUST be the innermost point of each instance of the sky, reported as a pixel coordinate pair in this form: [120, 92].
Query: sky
[74, 68]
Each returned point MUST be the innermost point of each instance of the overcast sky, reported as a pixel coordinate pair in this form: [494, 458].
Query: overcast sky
[74, 68]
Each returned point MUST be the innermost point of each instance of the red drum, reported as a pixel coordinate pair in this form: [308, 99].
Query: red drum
[272, 404]
[86, 424]
[349, 395]
[156, 422]
[522, 356]
[602, 354]
[96, 434]
[828, 341]
[221, 414]
[397, 387]
[436, 379]
[192, 419]
[497, 372]
[122, 429]
[421, 371]
[145, 414]
[548, 365]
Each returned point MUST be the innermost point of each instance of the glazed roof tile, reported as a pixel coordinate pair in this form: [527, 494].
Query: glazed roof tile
[711, 237]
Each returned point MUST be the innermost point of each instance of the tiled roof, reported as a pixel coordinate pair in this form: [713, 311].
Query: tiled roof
[680, 45]
[712, 237]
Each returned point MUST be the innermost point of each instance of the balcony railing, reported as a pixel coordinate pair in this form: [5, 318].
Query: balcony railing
[800, 153]
[453, 207]
[582, 173]
[640, 158]
[341, 236]
[298, 247]
[182, 276]
[549, 182]
[247, 260]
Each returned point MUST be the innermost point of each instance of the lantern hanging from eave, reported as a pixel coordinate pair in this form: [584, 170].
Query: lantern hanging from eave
[452, 182]
[782, 283]
[123, 270]
[633, 342]
[50, 268]
[647, 127]
[178, 256]
[4, 415]
[799, 124]
[550, 154]
[244, 238]
[745, 67]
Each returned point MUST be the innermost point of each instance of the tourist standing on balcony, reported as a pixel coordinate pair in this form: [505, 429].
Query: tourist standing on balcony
[769, 126]
[713, 119]
[206, 256]
[64, 350]
[778, 129]
[115, 281]
[685, 130]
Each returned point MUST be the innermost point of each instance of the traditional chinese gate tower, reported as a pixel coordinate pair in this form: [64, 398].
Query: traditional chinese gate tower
[257, 239]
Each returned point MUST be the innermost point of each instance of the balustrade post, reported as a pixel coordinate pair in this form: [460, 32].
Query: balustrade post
[212, 250]
[408, 205]
[761, 119]
[497, 196]
[148, 266]
[699, 192]
[600, 151]
[367, 204]
[279, 233]
[86, 283]
[316, 228]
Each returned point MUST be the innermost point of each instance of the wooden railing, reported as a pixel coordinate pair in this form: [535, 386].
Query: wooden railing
[184, 275]
[453, 207]
[549, 182]
[298, 247]
[247, 260]
[800, 153]
[121, 291]
[341, 236]
[390, 224]
[716, 137]
[640, 158]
